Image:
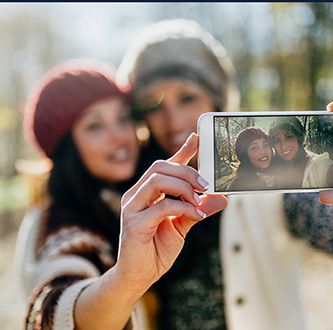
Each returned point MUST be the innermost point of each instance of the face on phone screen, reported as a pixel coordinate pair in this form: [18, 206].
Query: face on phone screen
[273, 152]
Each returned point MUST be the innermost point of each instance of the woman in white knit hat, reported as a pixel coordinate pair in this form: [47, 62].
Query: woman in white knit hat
[242, 275]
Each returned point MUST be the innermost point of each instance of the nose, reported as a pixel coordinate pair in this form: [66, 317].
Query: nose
[174, 120]
[263, 152]
[284, 145]
[115, 134]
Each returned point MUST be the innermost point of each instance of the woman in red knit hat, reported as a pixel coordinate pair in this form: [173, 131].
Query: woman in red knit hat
[84, 275]
[255, 155]
[80, 119]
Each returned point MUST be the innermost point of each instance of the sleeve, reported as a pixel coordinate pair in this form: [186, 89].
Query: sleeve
[70, 260]
[309, 219]
[315, 174]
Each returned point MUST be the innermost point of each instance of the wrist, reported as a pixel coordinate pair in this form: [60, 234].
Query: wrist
[114, 282]
[107, 300]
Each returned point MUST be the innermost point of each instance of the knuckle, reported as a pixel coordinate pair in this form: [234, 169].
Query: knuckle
[189, 208]
[165, 205]
[125, 198]
[158, 164]
[187, 187]
[155, 178]
[190, 173]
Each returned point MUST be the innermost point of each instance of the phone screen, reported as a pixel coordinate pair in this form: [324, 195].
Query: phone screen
[285, 152]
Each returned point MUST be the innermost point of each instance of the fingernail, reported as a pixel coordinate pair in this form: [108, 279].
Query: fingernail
[197, 199]
[202, 214]
[203, 182]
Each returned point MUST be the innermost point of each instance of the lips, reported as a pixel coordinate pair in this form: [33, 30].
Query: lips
[120, 155]
[263, 159]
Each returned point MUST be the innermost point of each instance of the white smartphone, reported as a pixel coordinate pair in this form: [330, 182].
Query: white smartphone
[246, 152]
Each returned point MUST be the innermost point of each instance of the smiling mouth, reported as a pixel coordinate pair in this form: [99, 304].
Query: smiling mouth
[263, 159]
[120, 155]
[287, 152]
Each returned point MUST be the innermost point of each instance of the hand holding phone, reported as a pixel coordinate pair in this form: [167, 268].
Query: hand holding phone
[270, 151]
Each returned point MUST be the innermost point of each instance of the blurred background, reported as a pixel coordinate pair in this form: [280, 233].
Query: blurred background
[282, 52]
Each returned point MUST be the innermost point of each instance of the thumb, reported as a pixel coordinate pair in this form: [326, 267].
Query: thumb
[326, 197]
[187, 151]
[330, 107]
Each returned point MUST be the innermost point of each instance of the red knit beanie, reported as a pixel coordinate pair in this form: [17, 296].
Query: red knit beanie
[61, 97]
[245, 138]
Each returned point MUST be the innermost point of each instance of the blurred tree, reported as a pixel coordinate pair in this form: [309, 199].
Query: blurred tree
[282, 52]
[28, 47]
[302, 35]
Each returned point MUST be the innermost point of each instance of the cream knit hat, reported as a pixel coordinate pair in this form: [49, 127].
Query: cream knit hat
[181, 48]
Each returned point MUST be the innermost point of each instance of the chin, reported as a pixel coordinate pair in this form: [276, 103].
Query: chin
[123, 173]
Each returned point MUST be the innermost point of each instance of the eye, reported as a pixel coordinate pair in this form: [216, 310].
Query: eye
[266, 144]
[188, 98]
[289, 136]
[253, 148]
[93, 126]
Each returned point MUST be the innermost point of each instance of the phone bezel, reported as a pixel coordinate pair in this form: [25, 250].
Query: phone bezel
[205, 129]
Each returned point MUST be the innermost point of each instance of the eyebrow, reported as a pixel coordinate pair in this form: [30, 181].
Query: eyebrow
[90, 116]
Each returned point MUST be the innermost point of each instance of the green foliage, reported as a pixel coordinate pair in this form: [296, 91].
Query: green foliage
[8, 119]
[13, 193]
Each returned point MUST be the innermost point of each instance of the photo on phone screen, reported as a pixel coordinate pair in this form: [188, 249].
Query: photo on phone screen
[285, 152]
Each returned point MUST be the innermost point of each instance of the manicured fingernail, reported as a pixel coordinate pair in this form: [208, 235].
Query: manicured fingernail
[203, 182]
[202, 214]
[197, 199]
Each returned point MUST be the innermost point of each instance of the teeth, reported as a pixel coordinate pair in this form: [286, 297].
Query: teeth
[263, 158]
[286, 152]
[120, 154]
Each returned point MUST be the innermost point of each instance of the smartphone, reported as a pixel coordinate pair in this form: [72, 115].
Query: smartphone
[247, 152]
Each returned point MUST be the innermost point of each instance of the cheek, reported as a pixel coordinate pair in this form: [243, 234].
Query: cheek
[153, 119]
[277, 148]
[87, 144]
[252, 157]
[295, 145]
[89, 148]
[201, 108]
[89, 154]
[156, 123]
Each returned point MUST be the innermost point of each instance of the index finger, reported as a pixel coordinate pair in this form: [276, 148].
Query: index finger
[181, 157]
[187, 151]
[210, 205]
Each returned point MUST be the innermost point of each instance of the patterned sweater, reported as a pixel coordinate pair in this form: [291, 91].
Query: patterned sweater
[191, 294]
